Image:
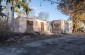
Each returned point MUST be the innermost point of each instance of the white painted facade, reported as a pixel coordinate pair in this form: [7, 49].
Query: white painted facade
[69, 27]
[62, 26]
[58, 26]
[21, 25]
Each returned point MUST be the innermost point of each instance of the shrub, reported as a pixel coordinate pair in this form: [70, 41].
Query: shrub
[4, 29]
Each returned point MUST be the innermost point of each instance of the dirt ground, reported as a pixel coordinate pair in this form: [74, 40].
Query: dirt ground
[60, 45]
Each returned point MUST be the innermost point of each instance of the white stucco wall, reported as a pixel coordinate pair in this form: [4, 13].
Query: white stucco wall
[16, 25]
[69, 27]
[63, 26]
[37, 25]
[21, 24]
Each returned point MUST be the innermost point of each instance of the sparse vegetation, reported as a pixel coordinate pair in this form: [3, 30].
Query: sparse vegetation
[4, 28]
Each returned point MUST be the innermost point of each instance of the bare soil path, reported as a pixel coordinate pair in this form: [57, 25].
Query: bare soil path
[65, 45]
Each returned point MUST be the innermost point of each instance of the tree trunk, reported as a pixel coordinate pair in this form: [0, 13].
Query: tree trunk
[12, 20]
[0, 8]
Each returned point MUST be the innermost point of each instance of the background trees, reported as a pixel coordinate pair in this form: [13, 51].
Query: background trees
[43, 15]
[32, 13]
[74, 8]
[20, 5]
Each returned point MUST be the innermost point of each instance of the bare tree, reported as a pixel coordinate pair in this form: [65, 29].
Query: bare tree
[31, 13]
[4, 27]
[43, 15]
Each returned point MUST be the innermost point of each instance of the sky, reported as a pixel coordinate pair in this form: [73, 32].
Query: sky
[54, 13]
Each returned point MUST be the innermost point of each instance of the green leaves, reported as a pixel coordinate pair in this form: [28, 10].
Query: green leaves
[24, 1]
[25, 7]
[19, 4]
[8, 1]
[2, 14]
[0, 1]
[75, 6]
